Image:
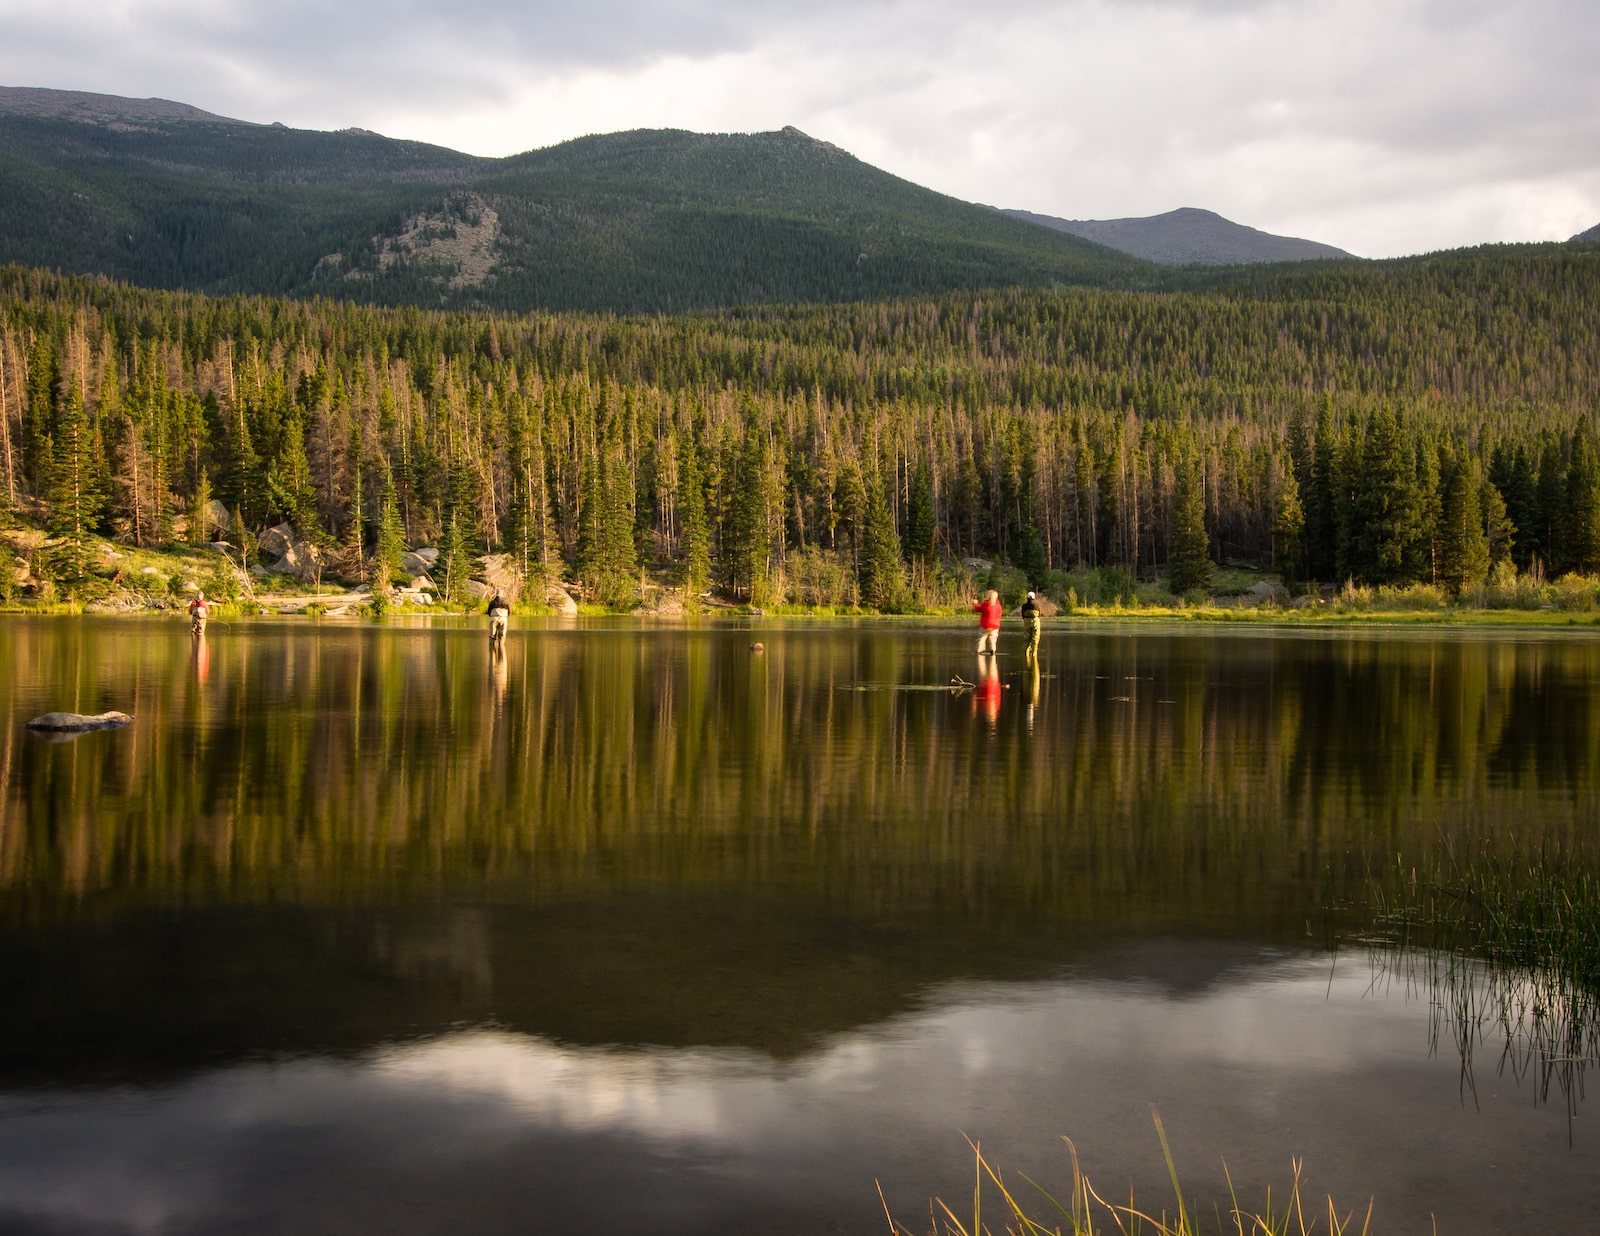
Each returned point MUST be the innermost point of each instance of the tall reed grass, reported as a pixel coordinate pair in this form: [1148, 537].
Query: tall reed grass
[996, 1207]
[1509, 950]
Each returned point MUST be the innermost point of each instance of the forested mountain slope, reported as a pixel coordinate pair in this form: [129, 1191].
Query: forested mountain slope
[1390, 422]
[166, 196]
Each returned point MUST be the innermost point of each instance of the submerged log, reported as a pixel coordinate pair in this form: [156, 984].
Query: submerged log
[74, 722]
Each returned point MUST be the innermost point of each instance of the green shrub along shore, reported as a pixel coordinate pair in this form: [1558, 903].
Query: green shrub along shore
[125, 579]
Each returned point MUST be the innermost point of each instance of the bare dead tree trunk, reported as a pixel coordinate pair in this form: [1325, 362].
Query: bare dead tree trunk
[5, 431]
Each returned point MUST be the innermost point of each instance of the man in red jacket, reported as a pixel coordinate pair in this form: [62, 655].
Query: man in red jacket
[199, 611]
[988, 611]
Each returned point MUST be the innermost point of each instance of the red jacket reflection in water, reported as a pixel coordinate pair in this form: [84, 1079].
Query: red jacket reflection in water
[988, 693]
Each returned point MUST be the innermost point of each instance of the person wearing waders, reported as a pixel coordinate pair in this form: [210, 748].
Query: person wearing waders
[199, 611]
[1032, 624]
[499, 613]
[988, 611]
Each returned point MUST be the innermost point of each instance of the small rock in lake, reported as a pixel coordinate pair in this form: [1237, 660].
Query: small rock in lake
[77, 722]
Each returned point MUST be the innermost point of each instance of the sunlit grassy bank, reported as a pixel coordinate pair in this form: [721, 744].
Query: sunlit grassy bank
[130, 579]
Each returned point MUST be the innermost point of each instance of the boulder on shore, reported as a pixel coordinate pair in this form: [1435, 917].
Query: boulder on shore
[294, 556]
[497, 573]
[217, 517]
[294, 561]
[419, 561]
[275, 542]
[76, 722]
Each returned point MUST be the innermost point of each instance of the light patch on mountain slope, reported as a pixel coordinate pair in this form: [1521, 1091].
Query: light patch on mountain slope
[458, 238]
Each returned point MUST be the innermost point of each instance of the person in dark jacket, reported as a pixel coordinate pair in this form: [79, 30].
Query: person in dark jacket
[499, 614]
[1032, 623]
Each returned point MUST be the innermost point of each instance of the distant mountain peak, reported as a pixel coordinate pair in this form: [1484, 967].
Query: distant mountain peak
[87, 108]
[1592, 234]
[1188, 236]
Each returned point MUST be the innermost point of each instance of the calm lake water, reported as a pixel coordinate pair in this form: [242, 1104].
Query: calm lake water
[362, 928]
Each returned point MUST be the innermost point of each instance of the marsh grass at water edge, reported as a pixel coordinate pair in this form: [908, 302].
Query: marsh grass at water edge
[1509, 949]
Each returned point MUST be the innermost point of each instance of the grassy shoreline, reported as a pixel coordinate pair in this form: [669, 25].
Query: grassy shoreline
[129, 580]
[1086, 617]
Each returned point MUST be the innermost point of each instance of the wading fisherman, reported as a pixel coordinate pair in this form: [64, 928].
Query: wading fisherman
[1032, 622]
[199, 611]
[988, 611]
[499, 613]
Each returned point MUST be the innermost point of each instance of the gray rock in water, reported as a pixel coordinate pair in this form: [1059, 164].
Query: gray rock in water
[77, 722]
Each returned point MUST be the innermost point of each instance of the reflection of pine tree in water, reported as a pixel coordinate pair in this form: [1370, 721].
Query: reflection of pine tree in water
[771, 774]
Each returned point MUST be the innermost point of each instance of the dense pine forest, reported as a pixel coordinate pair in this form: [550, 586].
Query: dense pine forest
[1430, 421]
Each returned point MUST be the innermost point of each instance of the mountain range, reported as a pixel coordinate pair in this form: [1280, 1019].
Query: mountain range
[165, 195]
[1188, 236]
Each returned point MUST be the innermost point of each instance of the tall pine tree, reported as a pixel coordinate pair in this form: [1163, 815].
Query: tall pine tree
[1463, 545]
[1191, 547]
[881, 577]
[75, 503]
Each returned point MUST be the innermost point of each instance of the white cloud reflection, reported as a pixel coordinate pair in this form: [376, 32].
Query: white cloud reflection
[1382, 126]
[1282, 1060]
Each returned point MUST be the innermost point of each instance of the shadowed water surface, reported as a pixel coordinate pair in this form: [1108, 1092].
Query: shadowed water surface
[633, 928]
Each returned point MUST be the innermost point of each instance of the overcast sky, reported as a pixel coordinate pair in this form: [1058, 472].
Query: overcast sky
[1381, 126]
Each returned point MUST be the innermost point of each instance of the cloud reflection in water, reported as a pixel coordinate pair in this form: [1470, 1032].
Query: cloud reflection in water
[484, 1129]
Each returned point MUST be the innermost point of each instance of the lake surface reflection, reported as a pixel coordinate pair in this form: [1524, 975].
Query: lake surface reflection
[632, 927]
